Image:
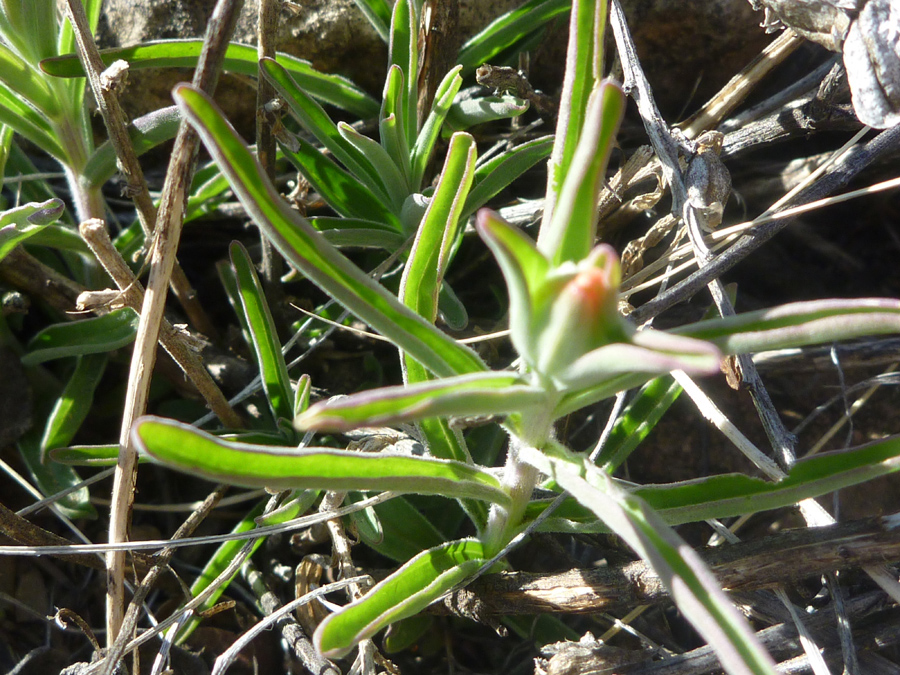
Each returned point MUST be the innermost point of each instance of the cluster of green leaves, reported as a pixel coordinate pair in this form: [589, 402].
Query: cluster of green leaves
[575, 350]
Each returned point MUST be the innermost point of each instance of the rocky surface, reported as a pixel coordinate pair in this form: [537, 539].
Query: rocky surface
[689, 49]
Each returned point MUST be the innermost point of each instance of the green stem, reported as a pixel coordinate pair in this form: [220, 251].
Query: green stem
[519, 478]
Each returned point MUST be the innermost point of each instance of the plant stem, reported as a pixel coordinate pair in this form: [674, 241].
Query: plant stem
[519, 478]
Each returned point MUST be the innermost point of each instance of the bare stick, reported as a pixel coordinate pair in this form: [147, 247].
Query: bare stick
[174, 342]
[168, 233]
[747, 566]
[161, 563]
[104, 83]
[737, 88]
[855, 161]
[667, 149]
[291, 631]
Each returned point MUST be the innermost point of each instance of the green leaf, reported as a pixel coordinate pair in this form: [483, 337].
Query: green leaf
[66, 41]
[403, 52]
[86, 455]
[145, 132]
[74, 404]
[431, 129]
[622, 359]
[404, 593]
[798, 324]
[735, 494]
[29, 123]
[61, 237]
[490, 393]
[6, 139]
[52, 478]
[584, 54]
[194, 451]
[357, 233]
[240, 59]
[297, 503]
[429, 256]
[392, 122]
[27, 82]
[342, 191]
[525, 270]
[406, 531]
[507, 29]
[264, 337]
[23, 222]
[389, 179]
[88, 336]
[378, 12]
[31, 26]
[313, 118]
[422, 279]
[472, 112]
[496, 174]
[306, 249]
[403, 634]
[217, 563]
[691, 585]
[571, 231]
[301, 398]
[637, 420]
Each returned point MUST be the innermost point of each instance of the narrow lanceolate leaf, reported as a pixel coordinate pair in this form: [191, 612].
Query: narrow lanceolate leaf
[431, 129]
[378, 12]
[407, 532]
[525, 270]
[613, 360]
[188, 449]
[423, 275]
[799, 324]
[240, 59]
[501, 171]
[89, 336]
[86, 455]
[471, 112]
[429, 256]
[404, 55]
[637, 420]
[52, 478]
[73, 405]
[313, 118]
[498, 393]
[307, 249]
[224, 554]
[264, 338]
[22, 222]
[404, 593]
[584, 53]
[690, 583]
[508, 29]
[392, 121]
[27, 82]
[388, 176]
[736, 494]
[145, 132]
[29, 123]
[341, 191]
[570, 232]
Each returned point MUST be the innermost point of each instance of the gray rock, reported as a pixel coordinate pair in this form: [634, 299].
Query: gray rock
[683, 45]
